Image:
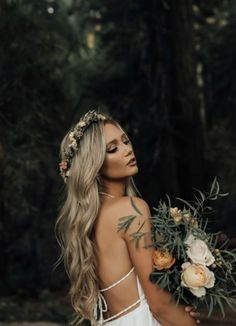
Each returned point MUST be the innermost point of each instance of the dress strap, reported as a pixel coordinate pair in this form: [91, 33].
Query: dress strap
[141, 299]
[119, 281]
[102, 302]
[124, 310]
[99, 306]
[140, 289]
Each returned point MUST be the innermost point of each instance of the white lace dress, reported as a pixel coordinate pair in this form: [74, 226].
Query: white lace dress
[140, 316]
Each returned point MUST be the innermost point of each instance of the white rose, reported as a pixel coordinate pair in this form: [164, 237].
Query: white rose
[199, 252]
[189, 239]
[197, 278]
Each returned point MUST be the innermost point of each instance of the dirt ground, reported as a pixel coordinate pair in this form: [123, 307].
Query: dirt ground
[54, 309]
[230, 320]
[40, 323]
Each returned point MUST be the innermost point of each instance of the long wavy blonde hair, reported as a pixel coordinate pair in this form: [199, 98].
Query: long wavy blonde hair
[75, 224]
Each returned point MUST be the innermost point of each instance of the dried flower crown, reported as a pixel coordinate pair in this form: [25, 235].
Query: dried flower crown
[74, 137]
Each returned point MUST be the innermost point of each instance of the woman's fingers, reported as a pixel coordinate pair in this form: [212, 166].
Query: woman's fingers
[188, 308]
[194, 314]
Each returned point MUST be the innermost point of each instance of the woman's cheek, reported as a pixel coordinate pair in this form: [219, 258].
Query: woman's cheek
[113, 168]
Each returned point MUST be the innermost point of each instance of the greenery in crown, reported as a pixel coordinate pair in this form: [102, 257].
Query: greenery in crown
[188, 260]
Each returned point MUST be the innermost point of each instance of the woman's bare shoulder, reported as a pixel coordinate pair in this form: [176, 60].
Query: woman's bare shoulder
[129, 205]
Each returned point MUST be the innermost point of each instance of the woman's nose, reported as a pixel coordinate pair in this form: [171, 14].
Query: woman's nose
[128, 151]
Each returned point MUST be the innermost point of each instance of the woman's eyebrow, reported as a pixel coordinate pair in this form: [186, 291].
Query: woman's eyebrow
[115, 140]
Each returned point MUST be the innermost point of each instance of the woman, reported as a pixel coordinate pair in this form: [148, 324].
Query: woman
[109, 275]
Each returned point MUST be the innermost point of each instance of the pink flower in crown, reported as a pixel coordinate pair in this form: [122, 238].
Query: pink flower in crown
[63, 165]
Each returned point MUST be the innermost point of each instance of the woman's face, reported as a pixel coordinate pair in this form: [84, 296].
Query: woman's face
[119, 161]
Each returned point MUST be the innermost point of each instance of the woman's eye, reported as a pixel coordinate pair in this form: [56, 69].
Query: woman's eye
[113, 150]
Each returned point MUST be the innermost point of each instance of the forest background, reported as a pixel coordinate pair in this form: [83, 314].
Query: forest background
[164, 69]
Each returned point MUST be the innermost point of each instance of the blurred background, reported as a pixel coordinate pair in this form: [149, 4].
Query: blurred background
[164, 69]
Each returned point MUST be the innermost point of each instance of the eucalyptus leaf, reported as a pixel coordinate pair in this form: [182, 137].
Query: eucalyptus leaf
[134, 206]
[125, 222]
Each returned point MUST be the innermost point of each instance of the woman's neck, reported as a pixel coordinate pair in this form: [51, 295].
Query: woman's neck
[113, 188]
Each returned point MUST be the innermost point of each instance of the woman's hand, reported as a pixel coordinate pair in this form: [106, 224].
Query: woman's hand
[192, 313]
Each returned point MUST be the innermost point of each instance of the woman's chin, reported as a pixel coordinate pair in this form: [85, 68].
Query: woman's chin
[135, 170]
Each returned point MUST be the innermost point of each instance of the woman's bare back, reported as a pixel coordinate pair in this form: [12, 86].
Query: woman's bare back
[113, 259]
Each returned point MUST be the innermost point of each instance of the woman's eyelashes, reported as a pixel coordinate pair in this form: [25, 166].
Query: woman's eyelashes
[113, 150]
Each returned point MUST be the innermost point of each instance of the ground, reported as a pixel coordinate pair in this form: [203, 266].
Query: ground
[54, 310]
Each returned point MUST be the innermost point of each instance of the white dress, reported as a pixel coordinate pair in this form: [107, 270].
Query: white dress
[140, 316]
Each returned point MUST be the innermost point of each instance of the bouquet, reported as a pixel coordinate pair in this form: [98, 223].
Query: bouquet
[188, 260]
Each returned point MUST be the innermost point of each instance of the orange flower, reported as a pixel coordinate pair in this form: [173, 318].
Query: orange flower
[162, 259]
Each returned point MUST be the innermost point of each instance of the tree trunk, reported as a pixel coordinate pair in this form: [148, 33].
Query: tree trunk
[180, 165]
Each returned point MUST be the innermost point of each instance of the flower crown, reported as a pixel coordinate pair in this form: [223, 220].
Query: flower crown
[74, 137]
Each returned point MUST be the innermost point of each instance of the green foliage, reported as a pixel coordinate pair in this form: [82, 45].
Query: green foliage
[125, 222]
[171, 230]
[193, 220]
[36, 109]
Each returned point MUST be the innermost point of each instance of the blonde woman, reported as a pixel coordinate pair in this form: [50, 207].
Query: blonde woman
[109, 276]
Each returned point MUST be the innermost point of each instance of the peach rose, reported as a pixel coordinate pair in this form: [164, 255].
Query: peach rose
[197, 278]
[176, 214]
[162, 259]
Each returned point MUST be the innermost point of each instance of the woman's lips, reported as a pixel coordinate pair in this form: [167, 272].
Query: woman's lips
[132, 162]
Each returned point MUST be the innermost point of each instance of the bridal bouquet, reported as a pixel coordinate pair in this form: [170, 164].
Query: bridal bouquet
[188, 260]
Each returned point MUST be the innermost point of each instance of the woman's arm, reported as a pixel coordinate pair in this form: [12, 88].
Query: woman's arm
[159, 300]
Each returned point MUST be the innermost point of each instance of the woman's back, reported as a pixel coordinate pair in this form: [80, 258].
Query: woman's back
[114, 261]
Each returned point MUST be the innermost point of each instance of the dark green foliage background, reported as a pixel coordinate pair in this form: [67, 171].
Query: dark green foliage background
[164, 69]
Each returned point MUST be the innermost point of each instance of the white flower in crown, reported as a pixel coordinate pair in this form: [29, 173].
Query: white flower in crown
[71, 136]
[100, 116]
[81, 123]
[66, 175]
[73, 144]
